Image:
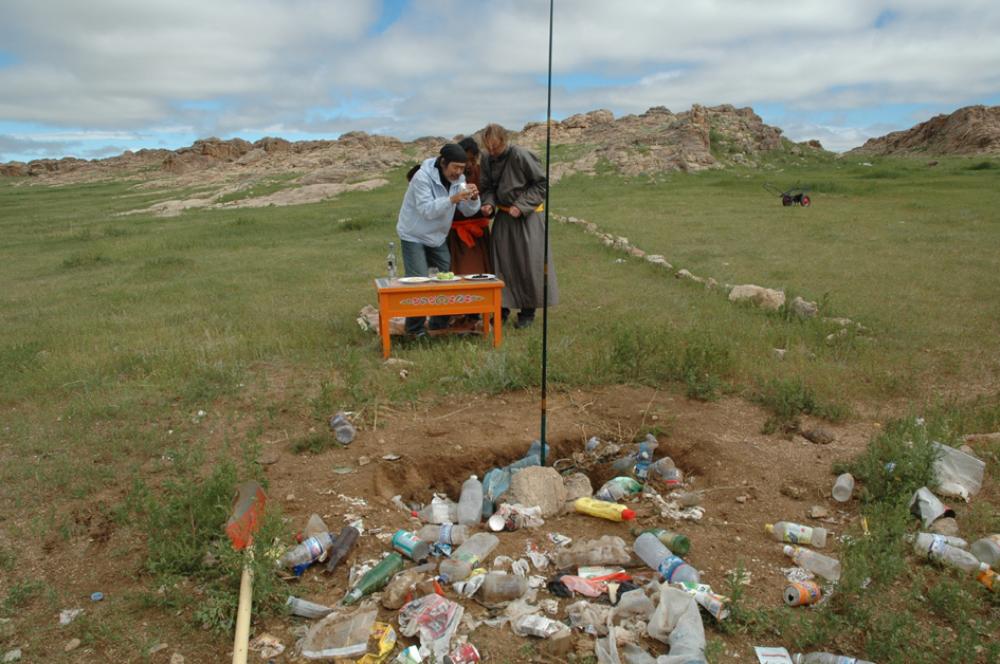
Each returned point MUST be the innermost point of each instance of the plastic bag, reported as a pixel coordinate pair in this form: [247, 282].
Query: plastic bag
[677, 622]
[339, 635]
[957, 473]
[435, 619]
[926, 505]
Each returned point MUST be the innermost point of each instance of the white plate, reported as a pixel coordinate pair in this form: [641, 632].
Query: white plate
[414, 280]
[480, 277]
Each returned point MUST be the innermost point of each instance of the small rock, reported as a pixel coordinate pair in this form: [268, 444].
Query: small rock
[945, 526]
[397, 362]
[818, 512]
[364, 460]
[779, 353]
[73, 644]
[290, 498]
[12, 655]
[177, 658]
[157, 648]
[793, 492]
[765, 298]
[742, 499]
[578, 486]
[819, 435]
[391, 457]
[804, 308]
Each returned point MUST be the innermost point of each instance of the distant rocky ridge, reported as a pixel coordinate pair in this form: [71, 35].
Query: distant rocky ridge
[969, 130]
[657, 140]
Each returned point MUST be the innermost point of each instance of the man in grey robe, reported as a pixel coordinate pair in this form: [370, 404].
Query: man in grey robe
[513, 184]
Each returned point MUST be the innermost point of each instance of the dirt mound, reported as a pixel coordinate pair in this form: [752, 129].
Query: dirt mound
[969, 130]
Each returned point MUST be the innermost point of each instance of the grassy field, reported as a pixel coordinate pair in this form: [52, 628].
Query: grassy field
[118, 330]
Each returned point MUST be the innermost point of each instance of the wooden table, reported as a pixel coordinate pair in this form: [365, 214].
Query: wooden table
[439, 298]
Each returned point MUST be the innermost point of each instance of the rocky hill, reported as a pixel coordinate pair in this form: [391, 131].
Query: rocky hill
[969, 130]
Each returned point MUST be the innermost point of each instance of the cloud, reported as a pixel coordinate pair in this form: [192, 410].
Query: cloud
[320, 67]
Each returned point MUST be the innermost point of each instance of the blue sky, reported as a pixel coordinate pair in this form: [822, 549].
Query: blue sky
[92, 79]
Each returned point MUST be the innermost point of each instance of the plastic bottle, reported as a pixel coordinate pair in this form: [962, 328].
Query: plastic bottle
[665, 471]
[606, 550]
[342, 428]
[411, 546]
[603, 509]
[376, 578]
[592, 444]
[390, 261]
[826, 658]
[817, 563]
[617, 488]
[307, 609]
[936, 547]
[342, 546]
[793, 533]
[990, 579]
[672, 568]
[308, 552]
[470, 502]
[676, 542]
[314, 526]
[399, 590]
[438, 511]
[843, 488]
[444, 534]
[625, 464]
[987, 550]
[469, 555]
[642, 463]
[500, 587]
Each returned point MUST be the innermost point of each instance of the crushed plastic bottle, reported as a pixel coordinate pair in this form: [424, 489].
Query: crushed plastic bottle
[606, 550]
[664, 470]
[617, 488]
[676, 542]
[936, 547]
[470, 502]
[342, 428]
[817, 563]
[446, 533]
[793, 533]
[400, 589]
[305, 554]
[826, 658]
[603, 509]
[500, 587]
[306, 609]
[375, 579]
[468, 556]
[672, 568]
[439, 510]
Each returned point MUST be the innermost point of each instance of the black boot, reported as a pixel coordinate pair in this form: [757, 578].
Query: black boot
[525, 317]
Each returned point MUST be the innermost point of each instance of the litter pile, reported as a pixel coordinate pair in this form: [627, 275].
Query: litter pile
[635, 600]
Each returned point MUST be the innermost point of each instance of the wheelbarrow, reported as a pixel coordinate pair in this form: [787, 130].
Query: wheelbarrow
[790, 197]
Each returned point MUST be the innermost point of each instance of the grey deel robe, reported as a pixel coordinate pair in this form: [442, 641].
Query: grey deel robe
[516, 179]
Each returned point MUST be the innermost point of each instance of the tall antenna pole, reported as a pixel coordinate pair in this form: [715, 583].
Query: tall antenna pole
[545, 268]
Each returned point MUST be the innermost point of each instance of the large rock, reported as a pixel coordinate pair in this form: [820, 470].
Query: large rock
[969, 130]
[765, 298]
[539, 486]
[804, 308]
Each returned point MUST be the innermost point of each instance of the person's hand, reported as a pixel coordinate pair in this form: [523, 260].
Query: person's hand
[487, 210]
[460, 196]
[473, 191]
[514, 212]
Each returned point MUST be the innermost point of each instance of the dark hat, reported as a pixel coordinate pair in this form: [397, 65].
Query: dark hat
[453, 152]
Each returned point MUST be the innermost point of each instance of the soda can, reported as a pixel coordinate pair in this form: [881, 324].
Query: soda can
[410, 545]
[464, 654]
[802, 594]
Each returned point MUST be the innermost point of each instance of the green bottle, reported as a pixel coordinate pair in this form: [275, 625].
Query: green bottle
[376, 578]
[678, 544]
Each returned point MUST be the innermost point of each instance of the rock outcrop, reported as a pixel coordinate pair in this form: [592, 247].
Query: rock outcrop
[969, 130]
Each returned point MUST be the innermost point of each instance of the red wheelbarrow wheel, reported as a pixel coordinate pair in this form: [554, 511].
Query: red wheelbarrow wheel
[805, 201]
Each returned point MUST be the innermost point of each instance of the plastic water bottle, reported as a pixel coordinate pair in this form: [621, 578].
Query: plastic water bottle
[817, 563]
[470, 502]
[342, 428]
[793, 533]
[305, 554]
[666, 471]
[843, 488]
[826, 658]
[987, 550]
[645, 457]
[501, 587]
[676, 542]
[936, 547]
[617, 488]
[390, 261]
[672, 568]
[469, 555]
[439, 511]
[444, 534]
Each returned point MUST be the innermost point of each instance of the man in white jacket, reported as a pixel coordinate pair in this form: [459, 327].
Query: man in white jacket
[436, 188]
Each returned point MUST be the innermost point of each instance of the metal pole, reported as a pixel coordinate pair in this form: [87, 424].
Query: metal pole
[545, 268]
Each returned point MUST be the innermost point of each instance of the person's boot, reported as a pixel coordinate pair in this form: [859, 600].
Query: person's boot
[525, 317]
[504, 315]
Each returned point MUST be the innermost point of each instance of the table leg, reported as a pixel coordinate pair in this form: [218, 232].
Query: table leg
[486, 324]
[383, 330]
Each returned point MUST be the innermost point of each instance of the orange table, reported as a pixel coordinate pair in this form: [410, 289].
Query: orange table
[439, 298]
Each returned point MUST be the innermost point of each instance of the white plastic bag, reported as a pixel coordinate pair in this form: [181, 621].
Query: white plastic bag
[339, 635]
[677, 622]
[957, 473]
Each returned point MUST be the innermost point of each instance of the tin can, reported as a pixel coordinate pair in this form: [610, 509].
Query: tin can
[410, 545]
[802, 594]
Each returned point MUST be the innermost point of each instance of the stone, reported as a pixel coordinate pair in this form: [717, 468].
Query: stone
[819, 435]
[792, 491]
[765, 298]
[945, 526]
[540, 486]
[818, 512]
[157, 648]
[577, 486]
[12, 655]
[804, 308]
[177, 658]
[72, 644]
[779, 353]
[742, 499]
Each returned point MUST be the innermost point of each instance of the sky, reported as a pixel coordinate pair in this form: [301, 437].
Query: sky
[92, 79]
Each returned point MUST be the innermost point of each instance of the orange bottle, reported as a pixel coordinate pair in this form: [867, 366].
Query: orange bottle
[603, 509]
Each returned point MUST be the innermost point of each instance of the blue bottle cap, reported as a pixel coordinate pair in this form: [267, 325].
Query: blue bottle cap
[96, 597]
